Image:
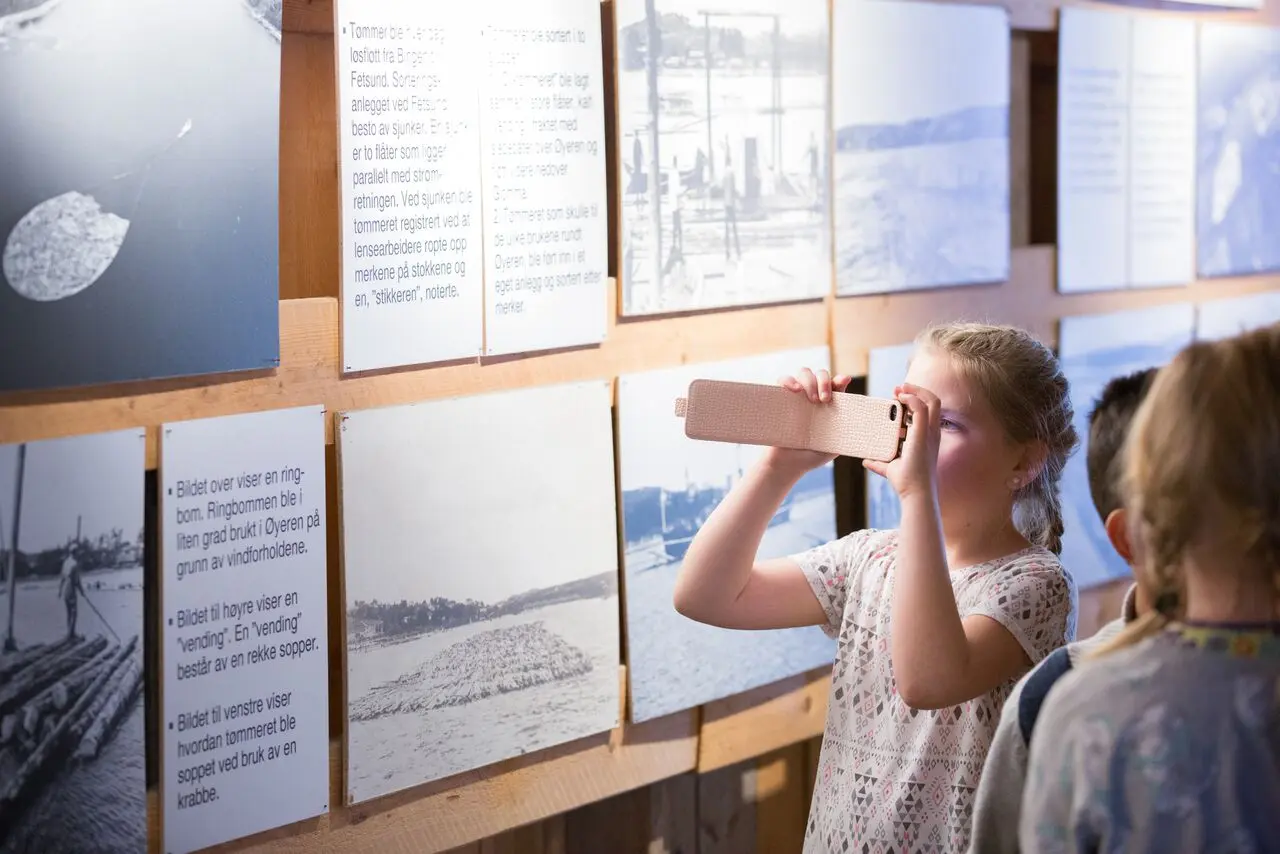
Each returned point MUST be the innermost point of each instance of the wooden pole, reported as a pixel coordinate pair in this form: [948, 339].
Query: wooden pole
[655, 163]
[706, 51]
[9, 643]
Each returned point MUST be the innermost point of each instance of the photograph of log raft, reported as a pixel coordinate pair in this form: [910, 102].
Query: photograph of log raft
[464, 649]
[72, 730]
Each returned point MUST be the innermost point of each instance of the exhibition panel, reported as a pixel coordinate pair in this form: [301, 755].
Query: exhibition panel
[342, 490]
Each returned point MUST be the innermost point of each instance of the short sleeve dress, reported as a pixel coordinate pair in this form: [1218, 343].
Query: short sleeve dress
[892, 778]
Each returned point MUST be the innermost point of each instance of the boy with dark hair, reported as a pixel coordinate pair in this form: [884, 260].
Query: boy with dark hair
[997, 804]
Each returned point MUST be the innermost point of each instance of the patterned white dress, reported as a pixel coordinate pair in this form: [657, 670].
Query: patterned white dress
[892, 778]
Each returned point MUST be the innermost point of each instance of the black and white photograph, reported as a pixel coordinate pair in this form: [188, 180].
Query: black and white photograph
[139, 228]
[72, 716]
[722, 137]
[921, 102]
[480, 556]
[1238, 150]
[670, 485]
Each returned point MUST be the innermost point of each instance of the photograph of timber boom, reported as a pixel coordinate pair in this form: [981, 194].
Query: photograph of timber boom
[72, 728]
[723, 122]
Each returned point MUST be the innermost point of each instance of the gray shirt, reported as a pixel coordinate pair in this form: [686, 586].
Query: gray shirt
[1169, 746]
[998, 801]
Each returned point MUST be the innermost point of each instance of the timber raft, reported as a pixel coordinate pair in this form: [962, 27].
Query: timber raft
[60, 704]
[492, 662]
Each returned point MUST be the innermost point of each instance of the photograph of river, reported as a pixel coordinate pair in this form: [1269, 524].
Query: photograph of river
[727, 106]
[139, 234]
[1094, 349]
[921, 101]
[670, 485]
[1223, 318]
[1238, 150]
[72, 716]
[886, 368]
[480, 556]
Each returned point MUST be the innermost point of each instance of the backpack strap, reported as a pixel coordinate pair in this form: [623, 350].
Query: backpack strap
[1036, 688]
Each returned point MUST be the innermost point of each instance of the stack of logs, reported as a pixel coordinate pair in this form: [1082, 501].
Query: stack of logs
[59, 704]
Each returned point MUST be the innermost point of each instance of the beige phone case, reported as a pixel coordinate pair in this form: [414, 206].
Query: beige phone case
[852, 425]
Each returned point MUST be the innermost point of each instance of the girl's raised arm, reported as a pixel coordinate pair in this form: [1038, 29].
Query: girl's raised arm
[720, 582]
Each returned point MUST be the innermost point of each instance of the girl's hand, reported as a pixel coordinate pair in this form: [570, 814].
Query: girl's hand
[817, 386]
[914, 471]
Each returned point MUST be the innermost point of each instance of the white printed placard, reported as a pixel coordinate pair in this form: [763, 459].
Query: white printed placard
[1162, 153]
[1126, 142]
[245, 722]
[546, 215]
[409, 157]
[1093, 145]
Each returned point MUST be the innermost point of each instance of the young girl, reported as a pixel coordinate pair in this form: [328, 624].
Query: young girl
[1169, 741]
[937, 619]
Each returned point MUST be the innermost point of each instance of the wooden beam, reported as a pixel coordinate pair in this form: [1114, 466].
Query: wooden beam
[309, 371]
[750, 725]
[308, 17]
[782, 800]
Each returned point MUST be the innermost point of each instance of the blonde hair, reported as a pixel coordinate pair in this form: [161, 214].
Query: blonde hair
[1204, 439]
[1025, 387]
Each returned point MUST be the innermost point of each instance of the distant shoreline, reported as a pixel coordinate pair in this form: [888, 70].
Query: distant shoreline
[15, 13]
[440, 614]
[376, 642]
[368, 644]
[92, 581]
[272, 23]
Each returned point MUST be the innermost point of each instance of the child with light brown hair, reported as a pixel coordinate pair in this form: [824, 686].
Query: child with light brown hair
[1169, 739]
[936, 619]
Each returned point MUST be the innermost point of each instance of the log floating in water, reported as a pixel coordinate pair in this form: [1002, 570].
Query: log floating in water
[12, 662]
[40, 674]
[497, 661]
[83, 727]
[107, 715]
[113, 668]
[23, 722]
[59, 695]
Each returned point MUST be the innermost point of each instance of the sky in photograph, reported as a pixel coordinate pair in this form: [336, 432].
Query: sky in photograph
[99, 478]
[479, 497]
[798, 16]
[895, 62]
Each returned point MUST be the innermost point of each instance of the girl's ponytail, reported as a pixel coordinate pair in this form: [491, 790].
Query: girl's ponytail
[1055, 527]
[1038, 507]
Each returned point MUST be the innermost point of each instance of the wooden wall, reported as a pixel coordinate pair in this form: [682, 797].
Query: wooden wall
[736, 775]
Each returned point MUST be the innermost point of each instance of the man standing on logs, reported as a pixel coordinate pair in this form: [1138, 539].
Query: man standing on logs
[68, 586]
